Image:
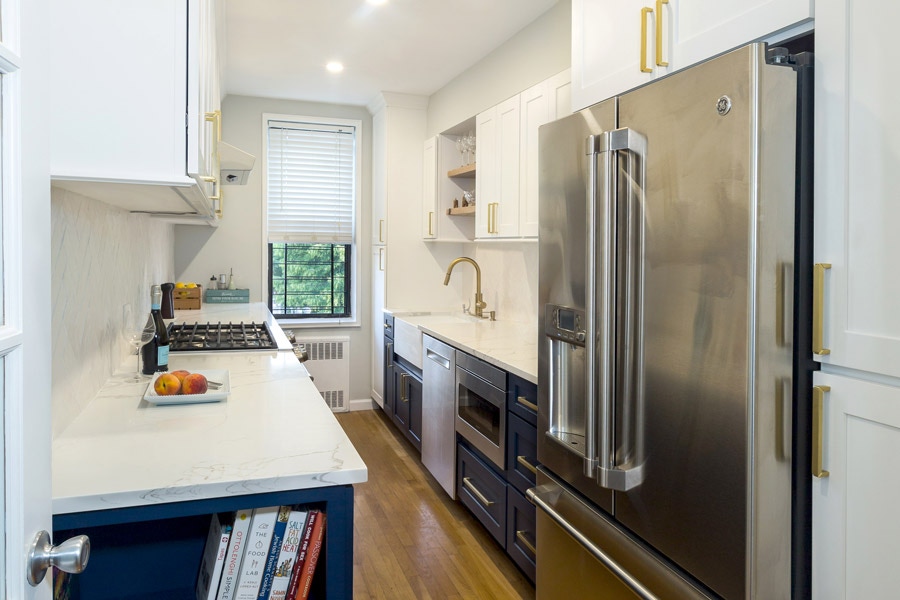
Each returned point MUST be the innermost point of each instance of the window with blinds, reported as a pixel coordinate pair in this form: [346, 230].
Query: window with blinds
[311, 198]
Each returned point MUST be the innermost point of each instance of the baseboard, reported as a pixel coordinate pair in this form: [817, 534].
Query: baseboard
[362, 404]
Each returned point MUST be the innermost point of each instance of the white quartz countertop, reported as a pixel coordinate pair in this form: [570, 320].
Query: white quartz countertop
[273, 433]
[256, 312]
[509, 345]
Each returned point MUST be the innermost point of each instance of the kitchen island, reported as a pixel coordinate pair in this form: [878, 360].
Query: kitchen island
[142, 480]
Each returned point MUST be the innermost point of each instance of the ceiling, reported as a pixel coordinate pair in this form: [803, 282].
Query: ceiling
[279, 48]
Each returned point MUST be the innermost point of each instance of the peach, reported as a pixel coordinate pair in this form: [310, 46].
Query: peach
[167, 384]
[180, 374]
[195, 383]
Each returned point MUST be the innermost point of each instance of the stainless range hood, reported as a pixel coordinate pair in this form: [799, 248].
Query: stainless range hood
[234, 164]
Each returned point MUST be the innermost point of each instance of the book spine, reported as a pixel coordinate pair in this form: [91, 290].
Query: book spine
[255, 552]
[219, 564]
[281, 522]
[208, 561]
[233, 559]
[301, 555]
[309, 565]
[289, 548]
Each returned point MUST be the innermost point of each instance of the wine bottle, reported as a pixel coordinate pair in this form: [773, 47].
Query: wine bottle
[155, 354]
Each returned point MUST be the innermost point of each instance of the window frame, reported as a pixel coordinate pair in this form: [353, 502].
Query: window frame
[349, 284]
[354, 266]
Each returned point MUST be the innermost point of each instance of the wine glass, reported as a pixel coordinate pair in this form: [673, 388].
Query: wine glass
[137, 335]
[461, 148]
[470, 144]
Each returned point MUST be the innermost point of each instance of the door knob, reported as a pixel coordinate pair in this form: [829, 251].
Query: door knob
[71, 556]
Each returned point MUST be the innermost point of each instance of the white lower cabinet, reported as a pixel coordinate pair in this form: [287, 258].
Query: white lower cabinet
[856, 529]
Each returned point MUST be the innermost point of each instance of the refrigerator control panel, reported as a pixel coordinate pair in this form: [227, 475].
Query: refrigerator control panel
[564, 323]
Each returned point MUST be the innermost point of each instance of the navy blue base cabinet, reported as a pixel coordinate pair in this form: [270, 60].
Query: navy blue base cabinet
[154, 551]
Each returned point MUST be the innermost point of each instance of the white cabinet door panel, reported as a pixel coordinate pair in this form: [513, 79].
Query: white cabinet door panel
[430, 191]
[856, 532]
[857, 158]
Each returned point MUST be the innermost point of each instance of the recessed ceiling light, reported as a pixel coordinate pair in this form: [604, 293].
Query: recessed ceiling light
[334, 66]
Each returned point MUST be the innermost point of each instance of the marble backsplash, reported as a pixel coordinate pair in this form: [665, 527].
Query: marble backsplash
[103, 258]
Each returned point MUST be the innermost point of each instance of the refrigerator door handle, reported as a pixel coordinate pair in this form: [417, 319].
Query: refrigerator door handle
[600, 223]
[621, 468]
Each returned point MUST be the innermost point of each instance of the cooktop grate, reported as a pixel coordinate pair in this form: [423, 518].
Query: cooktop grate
[185, 337]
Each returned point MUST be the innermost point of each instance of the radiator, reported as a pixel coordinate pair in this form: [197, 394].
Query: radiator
[329, 364]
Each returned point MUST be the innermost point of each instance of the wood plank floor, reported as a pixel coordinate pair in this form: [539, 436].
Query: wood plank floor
[410, 539]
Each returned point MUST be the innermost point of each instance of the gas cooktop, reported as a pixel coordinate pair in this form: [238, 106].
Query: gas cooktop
[185, 337]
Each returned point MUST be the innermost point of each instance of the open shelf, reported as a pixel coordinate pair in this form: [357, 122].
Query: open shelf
[461, 211]
[463, 171]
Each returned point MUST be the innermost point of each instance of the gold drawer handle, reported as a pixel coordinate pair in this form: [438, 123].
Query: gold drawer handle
[645, 15]
[467, 483]
[524, 462]
[817, 433]
[403, 396]
[524, 402]
[818, 333]
[523, 539]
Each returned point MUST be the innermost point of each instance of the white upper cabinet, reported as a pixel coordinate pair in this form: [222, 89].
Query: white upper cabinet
[379, 177]
[857, 158]
[497, 184]
[540, 104]
[132, 85]
[617, 46]
[430, 192]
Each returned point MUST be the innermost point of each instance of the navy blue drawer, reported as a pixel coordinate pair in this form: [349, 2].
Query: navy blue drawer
[521, 398]
[520, 531]
[482, 491]
[521, 453]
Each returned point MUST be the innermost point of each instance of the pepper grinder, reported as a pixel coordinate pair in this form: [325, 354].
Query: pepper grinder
[167, 306]
[231, 279]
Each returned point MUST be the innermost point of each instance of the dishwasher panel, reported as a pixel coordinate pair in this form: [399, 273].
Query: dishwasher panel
[438, 412]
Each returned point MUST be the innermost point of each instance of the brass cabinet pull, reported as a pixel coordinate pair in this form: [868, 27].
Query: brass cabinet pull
[381, 259]
[490, 226]
[430, 222]
[403, 396]
[524, 462]
[818, 333]
[215, 117]
[818, 416]
[659, 33]
[523, 539]
[381, 230]
[645, 12]
[492, 217]
[524, 402]
[467, 483]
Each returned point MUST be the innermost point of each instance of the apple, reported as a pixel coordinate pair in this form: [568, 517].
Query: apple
[195, 383]
[180, 374]
[167, 384]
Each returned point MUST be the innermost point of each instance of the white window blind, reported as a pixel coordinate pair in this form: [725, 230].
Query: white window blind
[311, 179]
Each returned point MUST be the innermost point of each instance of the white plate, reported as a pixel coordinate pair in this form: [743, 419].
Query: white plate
[219, 375]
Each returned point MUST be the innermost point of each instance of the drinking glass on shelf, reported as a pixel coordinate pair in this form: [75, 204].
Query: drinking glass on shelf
[461, 148]
[137, 334]
[470, 143]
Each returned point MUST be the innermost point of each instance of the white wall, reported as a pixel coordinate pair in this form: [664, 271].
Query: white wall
[237, 242]
[102, 258]
[542, 49]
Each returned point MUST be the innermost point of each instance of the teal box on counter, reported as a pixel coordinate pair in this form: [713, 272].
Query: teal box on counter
[227, 296]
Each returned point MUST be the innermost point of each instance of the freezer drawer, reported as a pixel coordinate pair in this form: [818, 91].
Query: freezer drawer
[482, 491]
[582, 553]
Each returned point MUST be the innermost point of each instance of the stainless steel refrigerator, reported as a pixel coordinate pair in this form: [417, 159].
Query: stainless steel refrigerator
[666, 429]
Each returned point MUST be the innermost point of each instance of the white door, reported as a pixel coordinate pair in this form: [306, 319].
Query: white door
[25, 332]
[856, 533]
